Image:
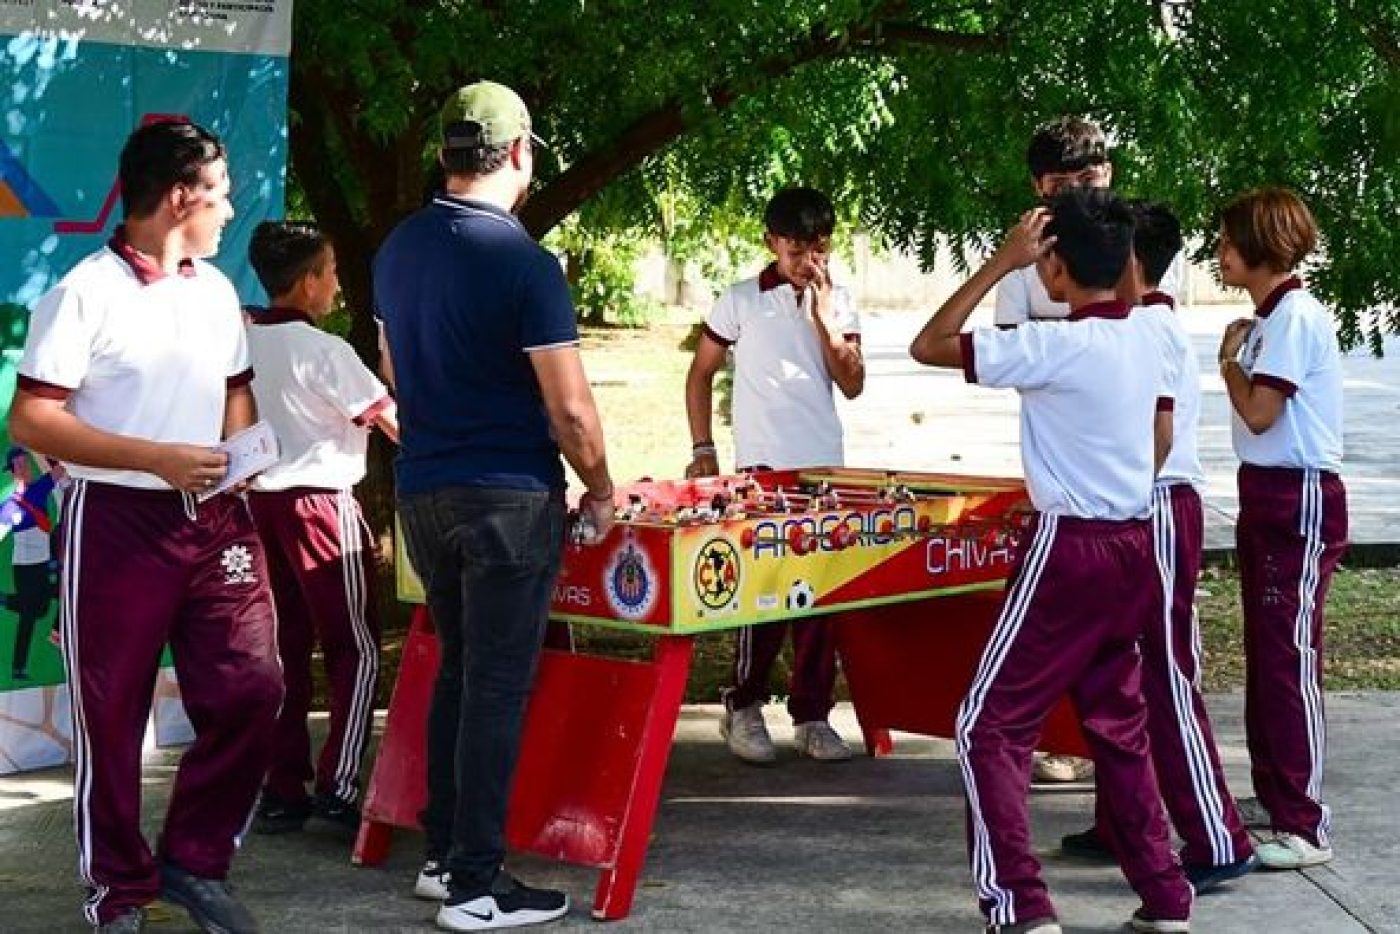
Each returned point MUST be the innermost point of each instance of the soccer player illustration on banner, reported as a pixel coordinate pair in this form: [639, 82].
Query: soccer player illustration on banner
[794, 335]
[26, 518]
[1283, 372]
[322, 403]
[483, 345]
[1216, 845]
[134, 369]
[1096, 398]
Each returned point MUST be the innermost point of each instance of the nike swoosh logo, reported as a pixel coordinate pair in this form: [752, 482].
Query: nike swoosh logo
[480, 917]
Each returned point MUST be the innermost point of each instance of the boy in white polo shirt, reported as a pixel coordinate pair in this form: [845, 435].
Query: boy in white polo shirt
[134, 368]
[1283, 371]
[1216, 845]
[1067, 152]
[322, 402]
[793, 334]
[1095, 424]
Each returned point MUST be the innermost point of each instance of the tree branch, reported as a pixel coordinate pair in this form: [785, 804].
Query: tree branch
[651, 132]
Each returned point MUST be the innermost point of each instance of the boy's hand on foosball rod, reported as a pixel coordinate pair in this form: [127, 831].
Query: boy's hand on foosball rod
[703, 465]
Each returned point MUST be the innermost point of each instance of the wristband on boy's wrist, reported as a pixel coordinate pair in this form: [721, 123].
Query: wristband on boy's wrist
[702, 448]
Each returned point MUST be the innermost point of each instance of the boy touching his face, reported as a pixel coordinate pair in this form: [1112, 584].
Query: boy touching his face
[793, 335]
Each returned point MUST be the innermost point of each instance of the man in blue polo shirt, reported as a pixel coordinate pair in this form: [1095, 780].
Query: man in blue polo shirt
[477, 326]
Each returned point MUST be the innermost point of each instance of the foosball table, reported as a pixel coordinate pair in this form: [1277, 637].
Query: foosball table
[911, 565]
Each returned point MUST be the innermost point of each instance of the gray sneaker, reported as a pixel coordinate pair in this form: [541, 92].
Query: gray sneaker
[747, 735]
[132, 922]
[1061, 770]
[818, 740]
[210, 902]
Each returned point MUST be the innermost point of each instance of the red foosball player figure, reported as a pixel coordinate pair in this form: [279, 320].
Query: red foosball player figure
[793, 335]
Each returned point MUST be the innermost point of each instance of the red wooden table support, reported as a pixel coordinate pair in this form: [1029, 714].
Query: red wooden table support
[597, 738]
[909, 665]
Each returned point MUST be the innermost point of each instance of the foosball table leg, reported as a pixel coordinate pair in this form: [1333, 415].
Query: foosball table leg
[372, 843]
[617, 885]
[878, 741]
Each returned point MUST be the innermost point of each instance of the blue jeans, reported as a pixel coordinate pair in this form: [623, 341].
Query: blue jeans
[488, 558]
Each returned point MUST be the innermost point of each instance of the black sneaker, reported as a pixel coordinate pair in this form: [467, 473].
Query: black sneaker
[1205, 878]
[344, 815]
[210, 902]
[506, 904]
[1087, 845]
[278, 815]
[132, 921]
[1045, 925]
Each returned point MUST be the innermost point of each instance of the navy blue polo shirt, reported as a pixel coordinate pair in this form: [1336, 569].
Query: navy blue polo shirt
[464, 295]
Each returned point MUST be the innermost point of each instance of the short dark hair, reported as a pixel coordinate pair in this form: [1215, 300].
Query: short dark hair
[159, 156]
[1066, 144]
[281, 252]
[1156, 238]
[801, 214]
[1270, 227]
[1093, 228]
[475, 160]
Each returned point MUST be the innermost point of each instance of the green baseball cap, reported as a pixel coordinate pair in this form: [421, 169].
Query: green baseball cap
[484, 114]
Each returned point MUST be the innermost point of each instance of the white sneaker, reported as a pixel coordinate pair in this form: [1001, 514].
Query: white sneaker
[507, 904]
[817, 740]
[747, 735]
[1062, 770]
[431, 884]
[1289, 851]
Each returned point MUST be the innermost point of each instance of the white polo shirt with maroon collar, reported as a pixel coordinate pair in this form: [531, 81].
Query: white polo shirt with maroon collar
[1090, 389]
[1293, 348]
[318, 396]
[138, 352]
[1183, 464]
[783, 407]
[1021, 295]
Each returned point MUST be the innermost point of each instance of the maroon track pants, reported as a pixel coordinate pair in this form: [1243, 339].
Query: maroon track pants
[1080, 596]
[142, 569]
[321, 559]
[1291, 533]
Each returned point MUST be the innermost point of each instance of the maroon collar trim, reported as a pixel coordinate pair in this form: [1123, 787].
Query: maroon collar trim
[1109, 309]
[1283, 288]
[770, 279]
[1159, 298]
[279, 314]
[146, 270]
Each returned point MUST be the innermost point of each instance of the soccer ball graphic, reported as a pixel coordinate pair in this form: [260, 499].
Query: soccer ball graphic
[801, 596]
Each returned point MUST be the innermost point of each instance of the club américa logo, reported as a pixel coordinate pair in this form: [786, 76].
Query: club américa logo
[631, 583]
[716, 574]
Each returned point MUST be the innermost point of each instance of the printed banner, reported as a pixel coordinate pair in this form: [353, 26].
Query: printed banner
[77, 76]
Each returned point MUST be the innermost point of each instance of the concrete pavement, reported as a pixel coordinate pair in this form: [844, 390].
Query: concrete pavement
[868, 846]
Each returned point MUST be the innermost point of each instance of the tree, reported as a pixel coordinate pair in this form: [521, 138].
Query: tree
[673, 117]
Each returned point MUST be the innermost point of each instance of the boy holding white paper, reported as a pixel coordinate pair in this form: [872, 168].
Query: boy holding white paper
[135, 369]
[322, 403]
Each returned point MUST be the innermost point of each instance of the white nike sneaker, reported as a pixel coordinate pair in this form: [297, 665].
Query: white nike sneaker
[507, 904]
